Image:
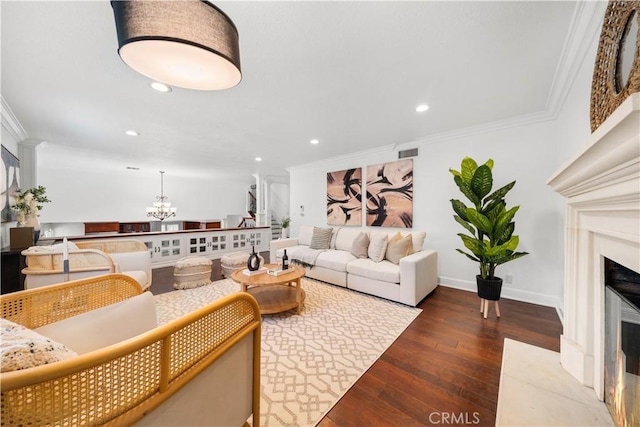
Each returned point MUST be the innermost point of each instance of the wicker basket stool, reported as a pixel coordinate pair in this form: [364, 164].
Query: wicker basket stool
[191, 272]
[235, 260]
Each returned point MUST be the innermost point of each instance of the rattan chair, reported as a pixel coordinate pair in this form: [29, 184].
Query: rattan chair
[202, 368]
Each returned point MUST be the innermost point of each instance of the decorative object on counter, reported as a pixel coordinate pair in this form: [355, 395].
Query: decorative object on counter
[27, 206]
[161, 208]
[490, 224]
[253, 262]
[616, 73]
[188, 44]
[284, 225]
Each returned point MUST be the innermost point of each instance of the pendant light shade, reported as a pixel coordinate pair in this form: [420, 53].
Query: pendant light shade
[190, 44]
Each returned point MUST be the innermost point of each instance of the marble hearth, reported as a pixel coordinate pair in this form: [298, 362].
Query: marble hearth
[601, 186]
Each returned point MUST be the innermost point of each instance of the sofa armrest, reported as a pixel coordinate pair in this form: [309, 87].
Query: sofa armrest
[34, 308]
[280, 244]
[418, 276]
[133, 261]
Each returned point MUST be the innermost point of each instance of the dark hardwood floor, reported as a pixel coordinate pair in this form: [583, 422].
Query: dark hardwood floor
[445, 367]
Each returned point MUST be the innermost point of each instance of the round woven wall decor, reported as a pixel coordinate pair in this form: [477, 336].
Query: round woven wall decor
[610, 87]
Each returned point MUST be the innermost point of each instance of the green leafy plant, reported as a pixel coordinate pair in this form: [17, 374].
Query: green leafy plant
[29, 203]
[489, 222]
[285, 222]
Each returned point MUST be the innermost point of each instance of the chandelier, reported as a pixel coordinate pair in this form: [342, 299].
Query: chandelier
[161, 208]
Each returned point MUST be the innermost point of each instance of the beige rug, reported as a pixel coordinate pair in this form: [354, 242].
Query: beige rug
[310, 360]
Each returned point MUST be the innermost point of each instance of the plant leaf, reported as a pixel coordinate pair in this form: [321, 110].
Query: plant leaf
[505, 234]
[504, 219]
[501, 192]
[459, 208]
[455, 172]
[482, 181]
[467, 169]
[472, 258]
[480, 221]
[466, 190]
[489, 164]
[465, 224]
[473, 244]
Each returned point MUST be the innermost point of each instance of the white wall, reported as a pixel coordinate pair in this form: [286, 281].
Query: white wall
[524, 154]
[123, 195]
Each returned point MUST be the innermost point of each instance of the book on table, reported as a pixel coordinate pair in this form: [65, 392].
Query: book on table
[278, 271]
[248, 272]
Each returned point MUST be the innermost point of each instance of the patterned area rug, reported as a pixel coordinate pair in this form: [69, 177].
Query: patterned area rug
[310, 360]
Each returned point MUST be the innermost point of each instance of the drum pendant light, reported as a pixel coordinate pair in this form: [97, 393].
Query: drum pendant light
[190, 44]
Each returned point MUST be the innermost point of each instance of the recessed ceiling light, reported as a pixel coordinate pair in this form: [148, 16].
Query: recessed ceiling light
[160, 87]
[132, 133]
[258, 159]
[133, 168]
[422, 108]
[314, 141]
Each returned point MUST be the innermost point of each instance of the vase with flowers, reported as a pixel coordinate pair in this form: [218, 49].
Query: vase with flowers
[28, 204]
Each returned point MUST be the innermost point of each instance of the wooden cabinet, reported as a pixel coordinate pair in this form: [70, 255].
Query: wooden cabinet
[101, 227]
[134, 227]
[12, 278]
[201, 225]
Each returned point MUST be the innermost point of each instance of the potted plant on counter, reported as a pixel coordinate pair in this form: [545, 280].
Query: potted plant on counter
[284, 225]
[490, 224]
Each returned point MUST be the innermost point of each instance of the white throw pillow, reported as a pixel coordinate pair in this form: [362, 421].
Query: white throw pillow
[321, 238]
[377, 247]
[360, 247]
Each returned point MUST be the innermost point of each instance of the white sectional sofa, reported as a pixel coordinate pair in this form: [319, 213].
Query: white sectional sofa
[407, 282]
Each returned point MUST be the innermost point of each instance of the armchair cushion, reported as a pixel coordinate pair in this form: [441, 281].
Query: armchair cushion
[22, 348]
[104, 326]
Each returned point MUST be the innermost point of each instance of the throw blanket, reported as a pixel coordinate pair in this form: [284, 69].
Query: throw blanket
[306, 257]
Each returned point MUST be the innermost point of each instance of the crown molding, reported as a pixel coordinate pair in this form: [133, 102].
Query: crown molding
[11, 123]
[584, 30]
[353, 157]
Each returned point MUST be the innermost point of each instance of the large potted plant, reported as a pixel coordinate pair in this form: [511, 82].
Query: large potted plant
[490, 241]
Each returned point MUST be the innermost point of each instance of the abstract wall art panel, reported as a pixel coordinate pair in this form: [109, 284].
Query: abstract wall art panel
[344, 197]
[10, 184]
[390, 194]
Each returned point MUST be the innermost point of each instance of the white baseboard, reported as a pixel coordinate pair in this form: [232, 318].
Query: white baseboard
[509, 293]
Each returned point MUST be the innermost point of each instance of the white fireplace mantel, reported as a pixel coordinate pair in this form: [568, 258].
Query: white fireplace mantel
[601, 185]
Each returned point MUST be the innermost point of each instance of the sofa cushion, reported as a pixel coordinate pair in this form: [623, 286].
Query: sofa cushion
[22, 348]
[384, 271]
[360, 246]
[104, 326]
[305, 234]
[377, 246]
[417, 241]
[334, 260]
[345, 238]
[321, 238]
[397, 248]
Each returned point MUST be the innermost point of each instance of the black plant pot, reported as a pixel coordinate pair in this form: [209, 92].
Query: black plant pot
[489, 289]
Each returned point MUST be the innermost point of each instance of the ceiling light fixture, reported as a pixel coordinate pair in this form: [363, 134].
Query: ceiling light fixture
[189, 44]
[161, 209]
[132, 133]
[258, 159]
[422, 108]
[160, 87]
[314, 141]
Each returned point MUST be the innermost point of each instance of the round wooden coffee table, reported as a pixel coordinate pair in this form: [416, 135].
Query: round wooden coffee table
[274, 294]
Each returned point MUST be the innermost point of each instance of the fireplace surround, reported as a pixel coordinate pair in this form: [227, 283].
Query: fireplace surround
[601, 185]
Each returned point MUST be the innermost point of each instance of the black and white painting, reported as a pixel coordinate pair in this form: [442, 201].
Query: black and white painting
[10, 184]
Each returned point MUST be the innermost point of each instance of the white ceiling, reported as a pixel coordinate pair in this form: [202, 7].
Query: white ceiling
[347, 73]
